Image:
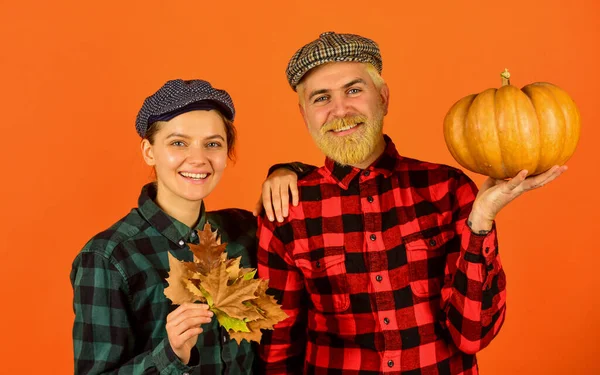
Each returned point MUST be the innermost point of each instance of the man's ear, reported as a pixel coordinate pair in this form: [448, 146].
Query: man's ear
[384, 92]
[148, 152]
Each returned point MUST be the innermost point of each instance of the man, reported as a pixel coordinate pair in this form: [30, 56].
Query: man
[387, 264]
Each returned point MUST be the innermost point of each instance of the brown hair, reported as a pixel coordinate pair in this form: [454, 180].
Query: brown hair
[229, 131]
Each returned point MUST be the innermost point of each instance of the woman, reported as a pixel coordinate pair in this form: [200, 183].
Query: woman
[123, 322]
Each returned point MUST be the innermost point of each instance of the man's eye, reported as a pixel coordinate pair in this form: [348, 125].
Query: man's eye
[321, 98]
[354, 91]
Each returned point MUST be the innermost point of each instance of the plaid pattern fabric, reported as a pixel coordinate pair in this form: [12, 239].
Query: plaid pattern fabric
[176, 94]
[332, 47]
[120, 308]
[380, 274]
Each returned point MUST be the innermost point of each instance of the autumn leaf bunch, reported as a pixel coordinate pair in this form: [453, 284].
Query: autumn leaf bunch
[238, 299]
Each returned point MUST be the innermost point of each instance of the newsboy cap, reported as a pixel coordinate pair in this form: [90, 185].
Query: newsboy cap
[332, 47]
[176, 95]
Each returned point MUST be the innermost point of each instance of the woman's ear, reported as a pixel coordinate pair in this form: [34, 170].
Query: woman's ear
[148, 152]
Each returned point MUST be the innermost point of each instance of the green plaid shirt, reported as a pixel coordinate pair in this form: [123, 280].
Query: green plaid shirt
[120, 309]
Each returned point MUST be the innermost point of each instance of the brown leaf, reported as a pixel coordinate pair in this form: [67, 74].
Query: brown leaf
[254, 335]
[177, 290]
[230, 298]
[233, 268]
[209, 252]
[268, 305]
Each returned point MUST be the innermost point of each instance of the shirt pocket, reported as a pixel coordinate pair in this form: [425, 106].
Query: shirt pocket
[326, 280]
[426, 255]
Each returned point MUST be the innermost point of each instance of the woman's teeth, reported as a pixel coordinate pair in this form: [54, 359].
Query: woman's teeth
[195, 176]
[347, 127]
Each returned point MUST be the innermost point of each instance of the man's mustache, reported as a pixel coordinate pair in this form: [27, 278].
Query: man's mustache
[342, 122]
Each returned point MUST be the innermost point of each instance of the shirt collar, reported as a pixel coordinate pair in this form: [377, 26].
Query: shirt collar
[171, 228]
[384, 165]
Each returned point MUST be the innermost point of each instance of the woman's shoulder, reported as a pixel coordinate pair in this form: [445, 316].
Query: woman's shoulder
[106, 241]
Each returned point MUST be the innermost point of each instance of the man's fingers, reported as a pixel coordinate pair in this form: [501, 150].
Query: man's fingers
[546, 177]
[517, 180]
[285, 202]
[267, 202]
[257, 207]
[294, 191]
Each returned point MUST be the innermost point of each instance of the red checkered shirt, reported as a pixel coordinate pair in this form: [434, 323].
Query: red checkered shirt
[379, 273]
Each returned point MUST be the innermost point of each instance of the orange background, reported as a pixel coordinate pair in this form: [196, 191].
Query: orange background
[74, 75]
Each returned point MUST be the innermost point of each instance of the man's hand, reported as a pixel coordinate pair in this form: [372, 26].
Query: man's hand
[496, 194]
[275, 197]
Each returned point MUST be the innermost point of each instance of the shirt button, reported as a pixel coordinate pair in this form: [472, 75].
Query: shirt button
[378, 278]
[386, 321]
[181, 243]
[390, 363]
[224, 339]
[373, 237]
[366, 173]
[318, 264]
[370, 199]
[432, 243]
[193, 234]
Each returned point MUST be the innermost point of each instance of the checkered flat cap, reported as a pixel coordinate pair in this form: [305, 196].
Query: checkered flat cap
[332, 47]
[176, 94]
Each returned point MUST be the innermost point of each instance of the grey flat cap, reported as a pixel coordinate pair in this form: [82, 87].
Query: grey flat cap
[177, 94]
[332, 47]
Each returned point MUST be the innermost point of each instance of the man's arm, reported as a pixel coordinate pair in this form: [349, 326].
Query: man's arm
[281, 181]
[474, 294]
[282, 350]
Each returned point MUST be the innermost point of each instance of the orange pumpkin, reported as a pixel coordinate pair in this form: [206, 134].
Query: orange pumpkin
[500, 132]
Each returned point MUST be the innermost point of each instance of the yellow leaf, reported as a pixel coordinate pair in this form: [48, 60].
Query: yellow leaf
[230, 323]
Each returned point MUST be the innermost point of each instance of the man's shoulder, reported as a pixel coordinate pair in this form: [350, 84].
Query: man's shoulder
[417, 167]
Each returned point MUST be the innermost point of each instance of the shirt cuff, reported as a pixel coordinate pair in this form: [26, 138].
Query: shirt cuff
[167, 361]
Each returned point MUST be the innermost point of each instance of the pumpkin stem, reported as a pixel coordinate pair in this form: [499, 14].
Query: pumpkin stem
[505, 77]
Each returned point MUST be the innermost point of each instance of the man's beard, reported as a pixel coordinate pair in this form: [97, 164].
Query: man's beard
[353, 148]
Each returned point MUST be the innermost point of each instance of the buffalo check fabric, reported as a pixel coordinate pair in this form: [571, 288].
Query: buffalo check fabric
[120, 308]
[379, 273]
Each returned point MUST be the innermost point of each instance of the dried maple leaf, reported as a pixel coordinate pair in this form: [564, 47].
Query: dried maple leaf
[239, 301]
[177, 290]
[209, 253]
[229, 298]
[268, 306]
[254, 335]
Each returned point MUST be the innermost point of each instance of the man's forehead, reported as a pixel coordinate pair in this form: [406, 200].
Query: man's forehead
[335, 75]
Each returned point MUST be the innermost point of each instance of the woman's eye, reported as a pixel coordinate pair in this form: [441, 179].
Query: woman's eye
[213, 144]
[178, 143]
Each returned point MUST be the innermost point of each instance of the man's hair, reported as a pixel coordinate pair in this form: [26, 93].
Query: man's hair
[377, 79]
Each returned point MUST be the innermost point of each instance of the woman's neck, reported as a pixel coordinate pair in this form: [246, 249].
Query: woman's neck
[179, 208]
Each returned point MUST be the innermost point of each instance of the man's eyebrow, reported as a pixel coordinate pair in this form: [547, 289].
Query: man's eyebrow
[324, 91]
[317, 92]
[354, 82]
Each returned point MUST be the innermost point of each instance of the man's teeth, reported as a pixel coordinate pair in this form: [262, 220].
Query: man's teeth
[347, 127]
[197, 176]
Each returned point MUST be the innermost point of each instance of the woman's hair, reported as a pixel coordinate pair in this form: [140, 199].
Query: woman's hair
[229, 131]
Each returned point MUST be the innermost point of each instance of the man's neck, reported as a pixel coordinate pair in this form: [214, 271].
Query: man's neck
[377, 152]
